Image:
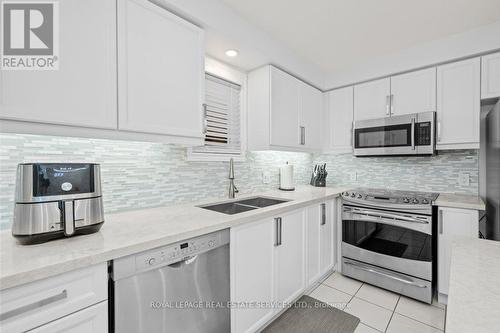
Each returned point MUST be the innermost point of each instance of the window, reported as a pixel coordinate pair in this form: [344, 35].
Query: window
[222, 119]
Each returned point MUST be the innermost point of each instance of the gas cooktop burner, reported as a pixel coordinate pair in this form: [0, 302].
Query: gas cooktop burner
[390, 196]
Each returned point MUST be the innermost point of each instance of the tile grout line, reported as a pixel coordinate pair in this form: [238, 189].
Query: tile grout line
[421, 322]
[392, 314]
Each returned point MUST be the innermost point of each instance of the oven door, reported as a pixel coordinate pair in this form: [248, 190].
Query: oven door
[385, 136]
[396, 241]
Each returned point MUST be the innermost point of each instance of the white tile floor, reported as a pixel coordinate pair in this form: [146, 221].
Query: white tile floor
[378, 309]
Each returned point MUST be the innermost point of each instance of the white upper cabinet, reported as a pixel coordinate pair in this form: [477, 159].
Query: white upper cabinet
[284, 113]
[338, 122]
[82, 92]
[160, 71]
[371, 99]
[458, 104]
[310, 116]
[490, 76]
[413, 92]
[284, 109]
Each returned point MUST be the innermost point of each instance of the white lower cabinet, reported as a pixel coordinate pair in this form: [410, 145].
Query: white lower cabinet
[38, 303]
[320, 228]
[453, 224]
[327, 236]
[93, 319]
[289, 256]
[252, 274]
[274, 260]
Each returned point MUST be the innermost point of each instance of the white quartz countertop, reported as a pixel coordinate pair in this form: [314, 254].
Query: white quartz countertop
[474, 294]
[131, 232]
[464, 201]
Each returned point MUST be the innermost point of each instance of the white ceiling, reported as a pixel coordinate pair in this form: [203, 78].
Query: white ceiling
[338, 34]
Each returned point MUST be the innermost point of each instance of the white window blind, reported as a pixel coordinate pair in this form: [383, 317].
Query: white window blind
[222, 112]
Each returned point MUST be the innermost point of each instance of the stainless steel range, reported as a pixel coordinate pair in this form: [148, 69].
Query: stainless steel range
[387, 240]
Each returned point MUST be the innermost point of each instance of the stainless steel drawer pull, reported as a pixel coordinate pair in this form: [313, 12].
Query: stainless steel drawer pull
[387, 275]
[278, 231]
[323, 214]
[35, 305]
[302, 135]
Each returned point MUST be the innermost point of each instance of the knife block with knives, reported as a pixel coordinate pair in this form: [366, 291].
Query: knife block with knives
[319, 174]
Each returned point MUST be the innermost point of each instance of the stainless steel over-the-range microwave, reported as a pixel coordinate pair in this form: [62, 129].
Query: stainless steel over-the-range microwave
[410, 134]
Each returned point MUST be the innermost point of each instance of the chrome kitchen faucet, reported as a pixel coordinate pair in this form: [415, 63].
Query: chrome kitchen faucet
[232, 188]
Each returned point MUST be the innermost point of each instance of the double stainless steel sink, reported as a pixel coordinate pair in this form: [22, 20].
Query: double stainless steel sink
[244, 205]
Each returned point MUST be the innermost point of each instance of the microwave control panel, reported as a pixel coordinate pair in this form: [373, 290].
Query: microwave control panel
[423, 133]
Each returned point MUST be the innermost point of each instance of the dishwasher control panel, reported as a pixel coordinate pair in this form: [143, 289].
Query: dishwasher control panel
[176, 252]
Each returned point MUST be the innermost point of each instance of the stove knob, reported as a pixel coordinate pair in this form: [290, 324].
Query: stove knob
[406, 200]
[345, 194]
[359, 196]
[415, 201]
[353, 195]
[425, 201]
[151, 261]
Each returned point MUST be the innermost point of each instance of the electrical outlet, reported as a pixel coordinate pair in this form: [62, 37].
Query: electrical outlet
[354, 175]
[266, 177]
[463, 179]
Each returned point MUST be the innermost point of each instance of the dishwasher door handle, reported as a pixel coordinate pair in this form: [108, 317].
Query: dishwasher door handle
[184, 261]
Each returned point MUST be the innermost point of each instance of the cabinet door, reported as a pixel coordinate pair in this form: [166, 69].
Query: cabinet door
[310, 114]
[490, 76]
[413, 92]
[161, 71]
[289, 269]
[458, 104]
[453, 224]
[371, 99]
[313, 246]
[252, 273]
[83, 91]
[284, 125]
[327, 228]
[340, 117]
[93, 319]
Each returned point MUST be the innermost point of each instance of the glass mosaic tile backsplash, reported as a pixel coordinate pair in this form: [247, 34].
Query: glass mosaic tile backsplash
[140, 174]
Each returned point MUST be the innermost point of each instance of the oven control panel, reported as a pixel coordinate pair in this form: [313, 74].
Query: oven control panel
[177, 251]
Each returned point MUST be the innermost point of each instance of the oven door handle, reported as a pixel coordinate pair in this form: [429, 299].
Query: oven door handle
[386, 215]
[387, 275]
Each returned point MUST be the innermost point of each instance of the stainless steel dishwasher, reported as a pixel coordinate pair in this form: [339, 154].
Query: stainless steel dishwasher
[183, 287]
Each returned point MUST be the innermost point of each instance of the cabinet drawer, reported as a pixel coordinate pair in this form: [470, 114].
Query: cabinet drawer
[90, 320]
[36, 303]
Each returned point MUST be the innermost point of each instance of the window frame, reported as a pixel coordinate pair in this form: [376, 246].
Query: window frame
[231, 74]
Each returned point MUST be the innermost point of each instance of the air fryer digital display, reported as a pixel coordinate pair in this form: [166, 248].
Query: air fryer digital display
[62, 179]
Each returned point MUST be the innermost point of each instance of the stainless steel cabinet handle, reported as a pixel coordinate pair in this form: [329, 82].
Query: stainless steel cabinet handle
[35, 305]
[440, 222]
[390, 276]
[278, 231]
[323, 214]
[387, 104]
[302, 135]
[391, 100]
[413, 133]
[439, 131]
